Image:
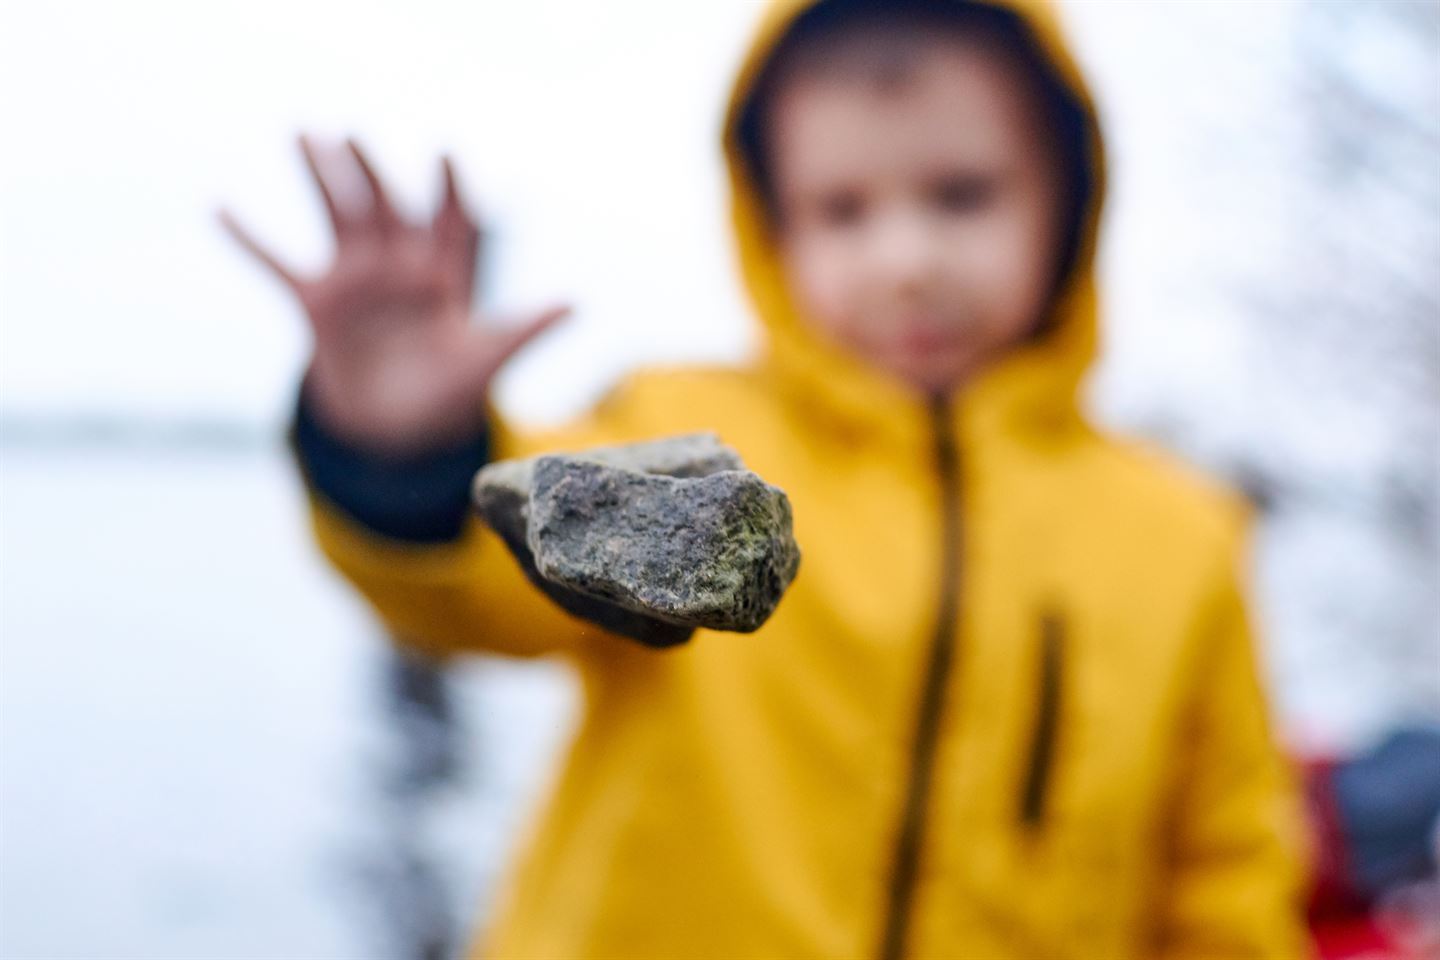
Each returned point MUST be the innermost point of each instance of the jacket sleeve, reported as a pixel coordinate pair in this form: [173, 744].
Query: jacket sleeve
[402, 532]
[1235, 876]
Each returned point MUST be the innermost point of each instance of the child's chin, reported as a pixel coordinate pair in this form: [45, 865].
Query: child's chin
[935, 376]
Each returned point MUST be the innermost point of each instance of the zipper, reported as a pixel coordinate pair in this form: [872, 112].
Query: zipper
[905, 869]
[1035, 788]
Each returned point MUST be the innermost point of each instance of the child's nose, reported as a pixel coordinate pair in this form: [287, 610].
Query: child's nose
[904, 250]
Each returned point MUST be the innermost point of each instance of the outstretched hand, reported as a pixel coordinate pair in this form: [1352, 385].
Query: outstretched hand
[399, 364]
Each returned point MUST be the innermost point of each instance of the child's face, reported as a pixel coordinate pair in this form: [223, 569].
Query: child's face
[920, 219]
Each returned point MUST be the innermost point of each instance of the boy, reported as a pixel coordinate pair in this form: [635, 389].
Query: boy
[1008, 708]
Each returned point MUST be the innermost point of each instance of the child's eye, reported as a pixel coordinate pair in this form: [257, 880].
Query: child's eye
[841, 209]
[964, 194]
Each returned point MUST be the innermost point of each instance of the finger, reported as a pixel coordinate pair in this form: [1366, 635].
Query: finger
[506, 342]
[247, 240]
[469, 256]
[382, 211]
[338, 221]
[452, 217]
[450, 197]
[456, 230]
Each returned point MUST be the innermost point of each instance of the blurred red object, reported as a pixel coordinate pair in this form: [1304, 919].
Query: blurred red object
[1341, 919]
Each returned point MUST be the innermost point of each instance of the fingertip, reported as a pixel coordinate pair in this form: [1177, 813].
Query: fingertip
[229, 223]
[450, 183]
[552, 315]
[537, 322]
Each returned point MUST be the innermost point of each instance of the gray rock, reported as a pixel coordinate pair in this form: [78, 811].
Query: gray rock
[648, 540]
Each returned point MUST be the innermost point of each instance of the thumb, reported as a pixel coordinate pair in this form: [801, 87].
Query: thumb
[502, 341]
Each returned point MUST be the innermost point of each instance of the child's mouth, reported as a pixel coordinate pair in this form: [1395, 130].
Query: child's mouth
[924, 342]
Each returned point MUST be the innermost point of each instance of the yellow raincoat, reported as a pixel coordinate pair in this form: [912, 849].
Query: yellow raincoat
[1008, 708]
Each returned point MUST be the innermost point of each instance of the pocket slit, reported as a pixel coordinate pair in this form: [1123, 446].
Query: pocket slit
[1035, 790]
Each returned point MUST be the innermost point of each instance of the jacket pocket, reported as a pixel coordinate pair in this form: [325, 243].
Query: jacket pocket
[1035, 788]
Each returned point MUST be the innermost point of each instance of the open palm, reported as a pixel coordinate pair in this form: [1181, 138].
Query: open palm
[399, 365]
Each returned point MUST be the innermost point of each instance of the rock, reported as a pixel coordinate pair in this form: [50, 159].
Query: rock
[713, 551]
[648, 540]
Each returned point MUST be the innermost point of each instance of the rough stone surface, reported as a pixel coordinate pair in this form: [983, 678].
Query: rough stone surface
[648, 540]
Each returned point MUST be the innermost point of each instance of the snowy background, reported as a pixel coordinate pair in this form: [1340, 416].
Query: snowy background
[206, 749]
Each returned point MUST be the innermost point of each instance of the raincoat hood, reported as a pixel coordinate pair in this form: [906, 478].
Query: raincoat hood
[1033, 388]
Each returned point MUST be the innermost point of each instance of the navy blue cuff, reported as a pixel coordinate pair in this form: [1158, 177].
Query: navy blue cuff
[421, 499]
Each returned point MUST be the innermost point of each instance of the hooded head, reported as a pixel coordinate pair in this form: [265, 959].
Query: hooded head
[915, 189]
